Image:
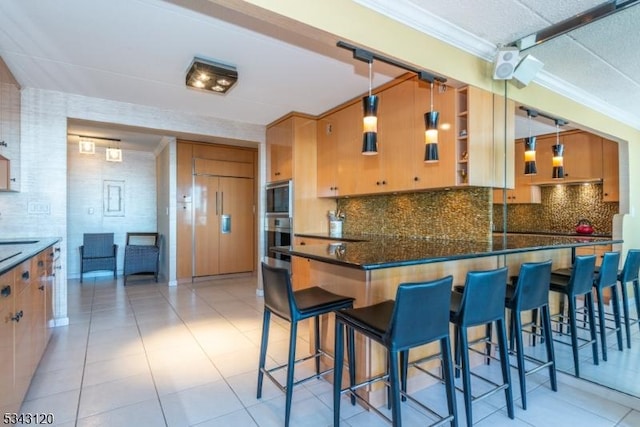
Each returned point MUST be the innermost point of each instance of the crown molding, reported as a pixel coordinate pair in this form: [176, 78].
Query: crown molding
[409, 14]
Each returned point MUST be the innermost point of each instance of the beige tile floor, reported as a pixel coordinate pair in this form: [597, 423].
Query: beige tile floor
[152, 355]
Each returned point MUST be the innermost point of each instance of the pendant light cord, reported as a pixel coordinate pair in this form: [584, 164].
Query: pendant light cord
[370, 75]
[431, 92]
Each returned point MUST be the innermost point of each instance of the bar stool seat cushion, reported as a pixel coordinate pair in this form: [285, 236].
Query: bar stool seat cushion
[372, 320]
[315, 300]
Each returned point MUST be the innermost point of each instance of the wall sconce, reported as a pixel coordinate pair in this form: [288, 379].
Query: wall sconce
[86, 146]
[431, 133]
[114, 154]
[370, 121]
[558, 154]
[530, 149]
[211, 76]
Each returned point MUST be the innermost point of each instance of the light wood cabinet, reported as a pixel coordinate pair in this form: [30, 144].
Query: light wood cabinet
[25, 318]
[223, 226]
[280, 150]
[340, 160]
[184, 214]
[484, 138]
[438, 174]
[9, 130]
[215, 210]
[300, 267]
[610, 171]
[582, 157]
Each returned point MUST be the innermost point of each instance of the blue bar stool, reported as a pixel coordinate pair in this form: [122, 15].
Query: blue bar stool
[578, 283]
[481, 303]
[607, 278]
[293, 306]
[629, 274]
[418, 316]
[530, 292]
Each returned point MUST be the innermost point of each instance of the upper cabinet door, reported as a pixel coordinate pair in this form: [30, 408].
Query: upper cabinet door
[280, 150]
[442, 173]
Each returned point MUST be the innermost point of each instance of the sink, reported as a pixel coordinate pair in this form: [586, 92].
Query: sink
[18, 242]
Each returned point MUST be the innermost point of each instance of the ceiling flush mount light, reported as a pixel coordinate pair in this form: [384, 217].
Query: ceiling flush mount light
[530, 148]
[211, 76]
[86, 146]
[114, 154]
[558, 154]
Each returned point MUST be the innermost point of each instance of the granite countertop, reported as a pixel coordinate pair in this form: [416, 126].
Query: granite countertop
[375, 252]
[15, 251]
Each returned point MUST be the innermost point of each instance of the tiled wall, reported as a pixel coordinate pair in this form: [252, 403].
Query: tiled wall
[459, 214]
[561, 208]
[86, 174]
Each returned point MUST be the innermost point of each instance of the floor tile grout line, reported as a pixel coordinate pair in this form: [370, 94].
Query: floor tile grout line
[86, 350]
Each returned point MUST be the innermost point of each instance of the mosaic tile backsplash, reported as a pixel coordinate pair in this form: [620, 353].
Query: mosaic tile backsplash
[458, 214]
[561, 208]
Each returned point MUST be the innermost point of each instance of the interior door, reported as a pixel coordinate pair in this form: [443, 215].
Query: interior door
[236, 225]
[206, 225]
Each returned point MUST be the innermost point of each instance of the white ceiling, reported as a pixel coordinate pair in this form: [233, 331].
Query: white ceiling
[137, 51]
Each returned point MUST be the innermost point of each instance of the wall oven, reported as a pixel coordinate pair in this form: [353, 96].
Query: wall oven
[277, 233]
[279, 199]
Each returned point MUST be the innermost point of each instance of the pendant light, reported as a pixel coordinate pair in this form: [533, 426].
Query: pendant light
[370, 121]
[431, 133]
[558, 153]
[530, 150]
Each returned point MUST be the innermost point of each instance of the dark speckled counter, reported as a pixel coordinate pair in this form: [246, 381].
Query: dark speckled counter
[376, 252]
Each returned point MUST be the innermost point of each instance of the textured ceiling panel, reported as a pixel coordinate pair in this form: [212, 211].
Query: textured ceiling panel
[504, 21]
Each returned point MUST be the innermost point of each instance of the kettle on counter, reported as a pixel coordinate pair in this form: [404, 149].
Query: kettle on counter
[584, 227]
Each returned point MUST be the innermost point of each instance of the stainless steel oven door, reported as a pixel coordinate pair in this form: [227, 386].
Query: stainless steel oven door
[277, 233]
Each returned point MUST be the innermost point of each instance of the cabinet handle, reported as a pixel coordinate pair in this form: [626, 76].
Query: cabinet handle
[17, 316]
[41, 263]
[377, 182]
[415, 178]
[302, 243]
[384, 182]
[57, 249]
[41, 287]
[25, 275]
[6, 291]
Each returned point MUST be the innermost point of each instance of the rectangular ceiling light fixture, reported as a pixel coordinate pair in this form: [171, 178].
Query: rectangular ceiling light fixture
[114, 155]
[87, 146]
[211, 76]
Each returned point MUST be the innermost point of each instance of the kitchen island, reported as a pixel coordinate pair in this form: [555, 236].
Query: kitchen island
[370, 268]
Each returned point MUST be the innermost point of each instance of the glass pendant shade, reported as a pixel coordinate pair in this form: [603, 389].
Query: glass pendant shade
[558, 161]
[431, 136]
[530, 156]
[370, 125]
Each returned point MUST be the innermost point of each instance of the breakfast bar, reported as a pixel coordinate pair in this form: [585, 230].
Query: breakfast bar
[369, 268]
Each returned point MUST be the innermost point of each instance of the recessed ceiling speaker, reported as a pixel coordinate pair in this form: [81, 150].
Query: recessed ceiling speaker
[526, 70]
[505, 63]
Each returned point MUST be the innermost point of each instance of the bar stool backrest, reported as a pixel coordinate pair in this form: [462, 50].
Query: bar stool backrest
[608, 273]
[532, 288]
[631, 266]
[581, 280]
[483, 296]
[420, 314]
[278, 292]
